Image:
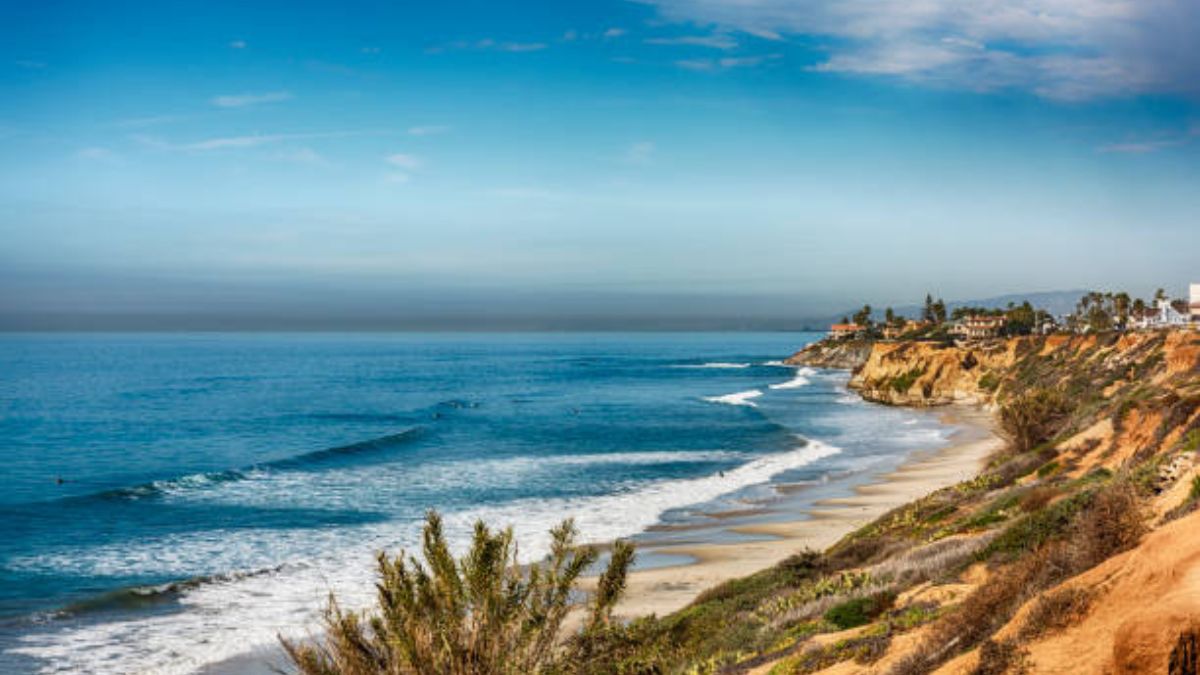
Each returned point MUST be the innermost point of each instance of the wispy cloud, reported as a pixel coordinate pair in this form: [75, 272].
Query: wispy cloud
[712, 41]
[428, 130]
[711, 65]
[237, 44]
[1149, 145]
[303, 155]
[641, 152]
[522, 46]
[242, 100]
[97, 154]
[1062, 49]
[29, 65]
[613, 32]
[370, 50]
[404, 161]
[488, 44]
[148, 121]
[234, 142]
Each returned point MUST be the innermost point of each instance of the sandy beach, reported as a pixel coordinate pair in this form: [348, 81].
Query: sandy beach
[664, 589]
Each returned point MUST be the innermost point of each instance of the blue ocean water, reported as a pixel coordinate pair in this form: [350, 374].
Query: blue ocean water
[173, 500]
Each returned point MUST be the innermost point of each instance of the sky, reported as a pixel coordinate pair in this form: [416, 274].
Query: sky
[651, 163]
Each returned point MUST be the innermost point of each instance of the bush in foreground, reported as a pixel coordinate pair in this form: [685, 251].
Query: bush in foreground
[1033, 418]
[480, 615]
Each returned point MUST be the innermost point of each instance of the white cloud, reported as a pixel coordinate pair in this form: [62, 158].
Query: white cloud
[428, 130]
[1064, 49]
[726, 63]
[237, 44]
[241, 100]
[97, 154]
[711, 41]
[1145, 146]
[614, 32]
[570, 35]
[149, 121]
[303, 155]
[404, 161]
[233, 142]
[641, 152]
[1137, 147]
[487, 44]
[522, 46]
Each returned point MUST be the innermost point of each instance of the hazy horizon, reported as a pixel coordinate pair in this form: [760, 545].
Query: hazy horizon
[681, 164]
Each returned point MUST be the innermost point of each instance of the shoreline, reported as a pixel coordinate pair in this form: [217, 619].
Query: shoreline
[689, 569]
[665, 589]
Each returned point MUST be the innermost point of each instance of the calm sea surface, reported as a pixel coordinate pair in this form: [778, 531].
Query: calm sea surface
[170, 501]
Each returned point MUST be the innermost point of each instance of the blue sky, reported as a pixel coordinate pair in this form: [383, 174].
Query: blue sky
[710, 157]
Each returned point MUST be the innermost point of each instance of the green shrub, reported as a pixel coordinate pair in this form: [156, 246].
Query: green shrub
[1055, 611]
[999, 658]
[480, 614]
[1038, 527]
[859, 611]
[1048, 469]
[989, 382]
[1033, 417]
[903, 382]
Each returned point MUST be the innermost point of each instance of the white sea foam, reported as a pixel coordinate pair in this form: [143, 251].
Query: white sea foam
[800, 380]
[244, 614]
[777, 364]
[716, 364]
[738, 398]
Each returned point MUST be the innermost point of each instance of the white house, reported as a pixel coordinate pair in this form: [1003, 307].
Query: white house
[1164, 315]
[1194, 302]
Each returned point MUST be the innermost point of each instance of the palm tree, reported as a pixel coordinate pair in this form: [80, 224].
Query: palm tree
[480, 615]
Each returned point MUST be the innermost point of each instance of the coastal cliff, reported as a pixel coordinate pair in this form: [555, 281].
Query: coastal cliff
[843, 354]
[1075, 550]
[929, 374]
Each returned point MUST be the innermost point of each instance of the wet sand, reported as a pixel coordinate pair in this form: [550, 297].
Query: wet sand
[664, 589]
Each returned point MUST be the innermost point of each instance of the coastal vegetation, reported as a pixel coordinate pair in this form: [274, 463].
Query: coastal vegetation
[1000, 573]
[1094, 312]
[483, 613]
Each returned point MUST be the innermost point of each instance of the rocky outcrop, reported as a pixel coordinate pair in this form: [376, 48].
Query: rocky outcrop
[930, 374]
[841, 354]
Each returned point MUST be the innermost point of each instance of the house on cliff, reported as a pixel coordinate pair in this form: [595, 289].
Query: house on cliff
[1194, 303]
[840, 331]
[1163, 315]
[978, 327]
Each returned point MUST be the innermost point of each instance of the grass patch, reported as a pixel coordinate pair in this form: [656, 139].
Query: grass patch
[903, 382]
[859, 611]
[1048, 469]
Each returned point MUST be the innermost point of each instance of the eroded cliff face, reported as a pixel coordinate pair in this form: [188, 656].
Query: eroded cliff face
[932, 374]
[842, 354]
[929, 374]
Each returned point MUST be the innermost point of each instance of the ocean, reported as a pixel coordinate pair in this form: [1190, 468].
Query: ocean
[173, 501]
